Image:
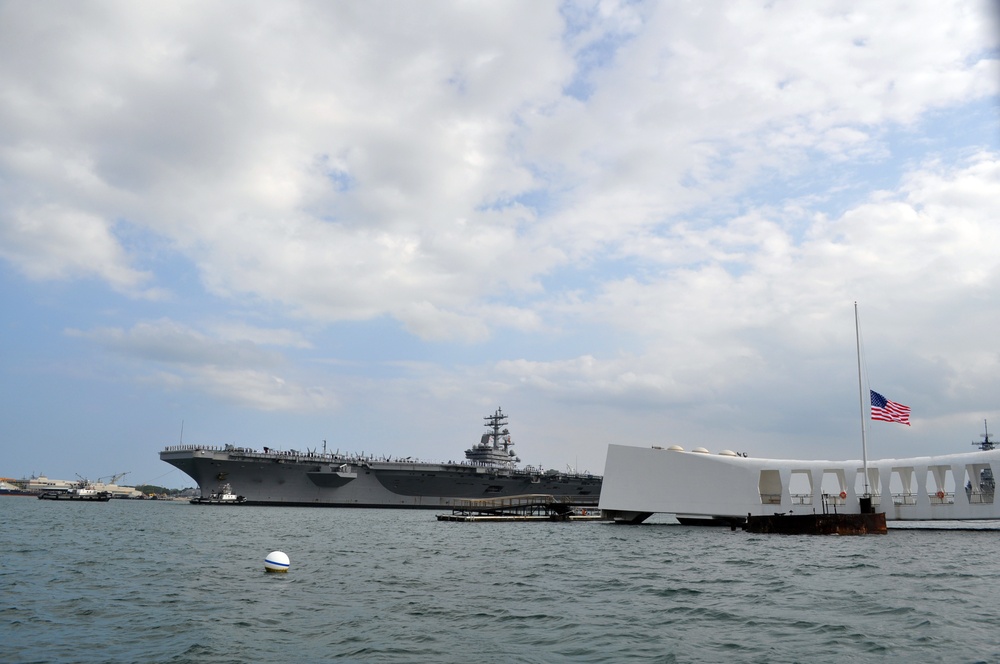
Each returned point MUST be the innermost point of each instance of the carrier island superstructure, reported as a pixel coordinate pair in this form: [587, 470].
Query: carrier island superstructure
[323, 479]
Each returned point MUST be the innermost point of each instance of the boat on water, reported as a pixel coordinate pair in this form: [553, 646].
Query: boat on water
[82, 491]
[12, 487]
[223, 496]
[42, 484]
[271, 477]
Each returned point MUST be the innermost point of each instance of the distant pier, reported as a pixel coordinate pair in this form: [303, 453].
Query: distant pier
[529, 507]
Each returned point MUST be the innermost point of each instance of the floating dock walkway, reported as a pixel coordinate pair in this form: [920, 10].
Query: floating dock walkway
[529, 507]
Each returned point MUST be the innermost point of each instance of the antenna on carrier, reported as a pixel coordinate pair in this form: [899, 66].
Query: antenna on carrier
[985, 443]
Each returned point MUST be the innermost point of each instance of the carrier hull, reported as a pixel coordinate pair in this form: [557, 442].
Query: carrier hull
[329, 480]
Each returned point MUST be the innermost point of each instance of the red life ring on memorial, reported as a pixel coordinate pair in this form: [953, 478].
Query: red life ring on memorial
[940, 495]
[843, 494]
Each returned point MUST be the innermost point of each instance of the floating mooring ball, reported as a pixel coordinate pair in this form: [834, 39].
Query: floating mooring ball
[276, 561]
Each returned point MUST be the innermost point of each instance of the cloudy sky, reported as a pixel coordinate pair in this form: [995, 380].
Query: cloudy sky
[373, 223]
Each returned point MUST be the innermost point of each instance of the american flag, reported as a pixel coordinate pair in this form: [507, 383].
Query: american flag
[884, 410]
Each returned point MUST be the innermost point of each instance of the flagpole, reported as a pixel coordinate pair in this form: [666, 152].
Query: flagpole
[861, 399]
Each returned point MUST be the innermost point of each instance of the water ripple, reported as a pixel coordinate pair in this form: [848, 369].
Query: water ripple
[154, 581]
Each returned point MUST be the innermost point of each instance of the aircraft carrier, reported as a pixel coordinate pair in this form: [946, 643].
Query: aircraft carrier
[323, 479]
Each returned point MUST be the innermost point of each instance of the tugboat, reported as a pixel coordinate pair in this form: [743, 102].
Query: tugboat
[222, 496]
[83, 490]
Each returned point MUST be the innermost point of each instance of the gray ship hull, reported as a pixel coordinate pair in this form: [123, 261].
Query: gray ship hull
[328, 480]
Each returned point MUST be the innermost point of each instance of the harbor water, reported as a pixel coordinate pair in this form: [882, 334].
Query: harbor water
[156, 581]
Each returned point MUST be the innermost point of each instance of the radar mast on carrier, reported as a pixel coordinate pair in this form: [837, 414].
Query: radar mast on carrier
[495, 448]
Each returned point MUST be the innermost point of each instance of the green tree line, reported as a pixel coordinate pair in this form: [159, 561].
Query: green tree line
[158, 490]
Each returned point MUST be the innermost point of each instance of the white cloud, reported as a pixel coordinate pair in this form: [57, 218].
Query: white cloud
[232, 368]
[169, 342]
[747, 297]
[618, 207]
[54, 242]
[260, 391]
[232, 331]
[307, 185]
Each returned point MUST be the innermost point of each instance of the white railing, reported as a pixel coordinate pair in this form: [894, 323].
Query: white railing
[801, 498]
[942, 498]
[981, 498]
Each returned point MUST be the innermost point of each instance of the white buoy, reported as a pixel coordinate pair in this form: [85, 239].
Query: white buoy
[276, 561]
